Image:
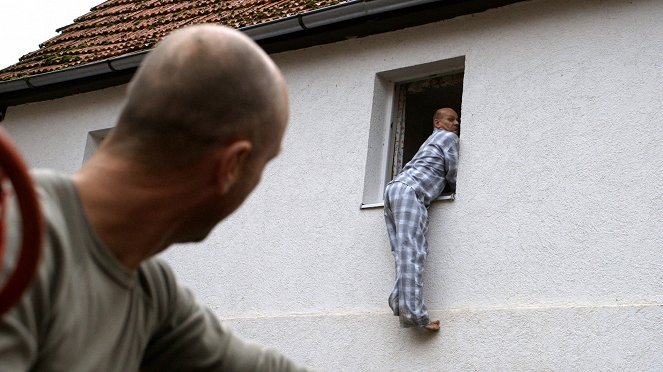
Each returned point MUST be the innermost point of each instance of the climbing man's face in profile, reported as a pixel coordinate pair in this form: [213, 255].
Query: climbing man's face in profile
[447, 119]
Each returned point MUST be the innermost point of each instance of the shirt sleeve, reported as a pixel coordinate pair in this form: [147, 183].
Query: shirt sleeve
[189, 337]
[18, 341]
[22, 326]
[451, 159]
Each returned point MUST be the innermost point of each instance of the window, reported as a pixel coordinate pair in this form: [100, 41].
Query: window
[404, 103]
[94, 139]
[416, 103]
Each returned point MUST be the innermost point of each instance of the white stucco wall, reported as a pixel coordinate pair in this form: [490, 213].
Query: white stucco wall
[550, 256]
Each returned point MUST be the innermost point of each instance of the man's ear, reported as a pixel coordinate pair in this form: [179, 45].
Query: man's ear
[230, 162]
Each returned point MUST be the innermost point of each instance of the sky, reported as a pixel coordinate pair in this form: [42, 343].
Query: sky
[26, 23]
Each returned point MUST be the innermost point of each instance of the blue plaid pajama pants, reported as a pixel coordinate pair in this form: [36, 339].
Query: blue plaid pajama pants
[407, 222]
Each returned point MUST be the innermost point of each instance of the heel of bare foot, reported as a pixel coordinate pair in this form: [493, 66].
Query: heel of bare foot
[433, 326]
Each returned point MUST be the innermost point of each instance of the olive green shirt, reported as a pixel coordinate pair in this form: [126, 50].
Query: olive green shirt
[87, 312]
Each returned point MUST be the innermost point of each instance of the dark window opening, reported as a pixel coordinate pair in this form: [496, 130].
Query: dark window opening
[416, 104]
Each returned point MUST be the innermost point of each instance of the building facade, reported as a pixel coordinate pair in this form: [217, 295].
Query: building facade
[548, 256]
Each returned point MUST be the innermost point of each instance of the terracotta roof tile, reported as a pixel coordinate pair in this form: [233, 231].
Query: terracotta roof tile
[118, 27]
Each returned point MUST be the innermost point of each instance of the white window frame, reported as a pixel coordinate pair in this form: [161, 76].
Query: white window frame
[94, 139]
[382, 136]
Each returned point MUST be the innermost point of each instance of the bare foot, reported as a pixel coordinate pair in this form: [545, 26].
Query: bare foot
[433, 326]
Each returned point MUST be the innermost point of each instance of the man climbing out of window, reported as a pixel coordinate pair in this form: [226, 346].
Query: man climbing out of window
[406, 201]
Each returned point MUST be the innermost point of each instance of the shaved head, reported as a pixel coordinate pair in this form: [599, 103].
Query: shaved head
[447, 119]
[202, 87]
[439, 114]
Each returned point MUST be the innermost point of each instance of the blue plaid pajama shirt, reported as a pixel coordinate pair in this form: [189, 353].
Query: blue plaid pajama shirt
[406, 201]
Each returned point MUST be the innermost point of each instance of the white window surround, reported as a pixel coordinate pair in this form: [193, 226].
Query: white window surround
[94, 139]
[381, 136]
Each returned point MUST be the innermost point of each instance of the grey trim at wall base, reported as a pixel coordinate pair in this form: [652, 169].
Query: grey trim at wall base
[352, 19]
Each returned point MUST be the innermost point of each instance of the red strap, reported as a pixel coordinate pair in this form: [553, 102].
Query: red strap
[16, 172]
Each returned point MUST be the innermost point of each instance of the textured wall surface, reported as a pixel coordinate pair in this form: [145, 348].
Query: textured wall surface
[550, 256]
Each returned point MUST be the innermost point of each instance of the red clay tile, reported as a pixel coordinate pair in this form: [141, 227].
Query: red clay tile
[118, 27]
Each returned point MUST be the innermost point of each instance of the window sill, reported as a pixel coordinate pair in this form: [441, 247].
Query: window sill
[443, 197]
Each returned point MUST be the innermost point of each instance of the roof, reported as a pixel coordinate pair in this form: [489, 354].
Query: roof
[119, 27]
[104, 47]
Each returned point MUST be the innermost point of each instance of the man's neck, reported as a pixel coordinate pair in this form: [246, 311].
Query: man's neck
[132, 212]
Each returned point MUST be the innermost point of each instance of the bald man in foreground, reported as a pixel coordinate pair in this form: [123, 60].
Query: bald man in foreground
[204, 114]
[406, 201]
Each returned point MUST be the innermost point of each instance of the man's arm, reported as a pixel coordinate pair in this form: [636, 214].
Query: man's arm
[20, 326]
[451, 159]
[18, 343]
[189, 337]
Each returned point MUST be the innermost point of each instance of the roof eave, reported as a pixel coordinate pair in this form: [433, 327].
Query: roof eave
[351, 19]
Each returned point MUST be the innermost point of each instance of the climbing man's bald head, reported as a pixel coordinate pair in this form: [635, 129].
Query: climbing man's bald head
[447, 119]
[201, 87]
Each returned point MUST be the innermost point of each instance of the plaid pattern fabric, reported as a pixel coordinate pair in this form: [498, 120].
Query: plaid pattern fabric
[407, 221]
[406, 201]
[433, 166]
